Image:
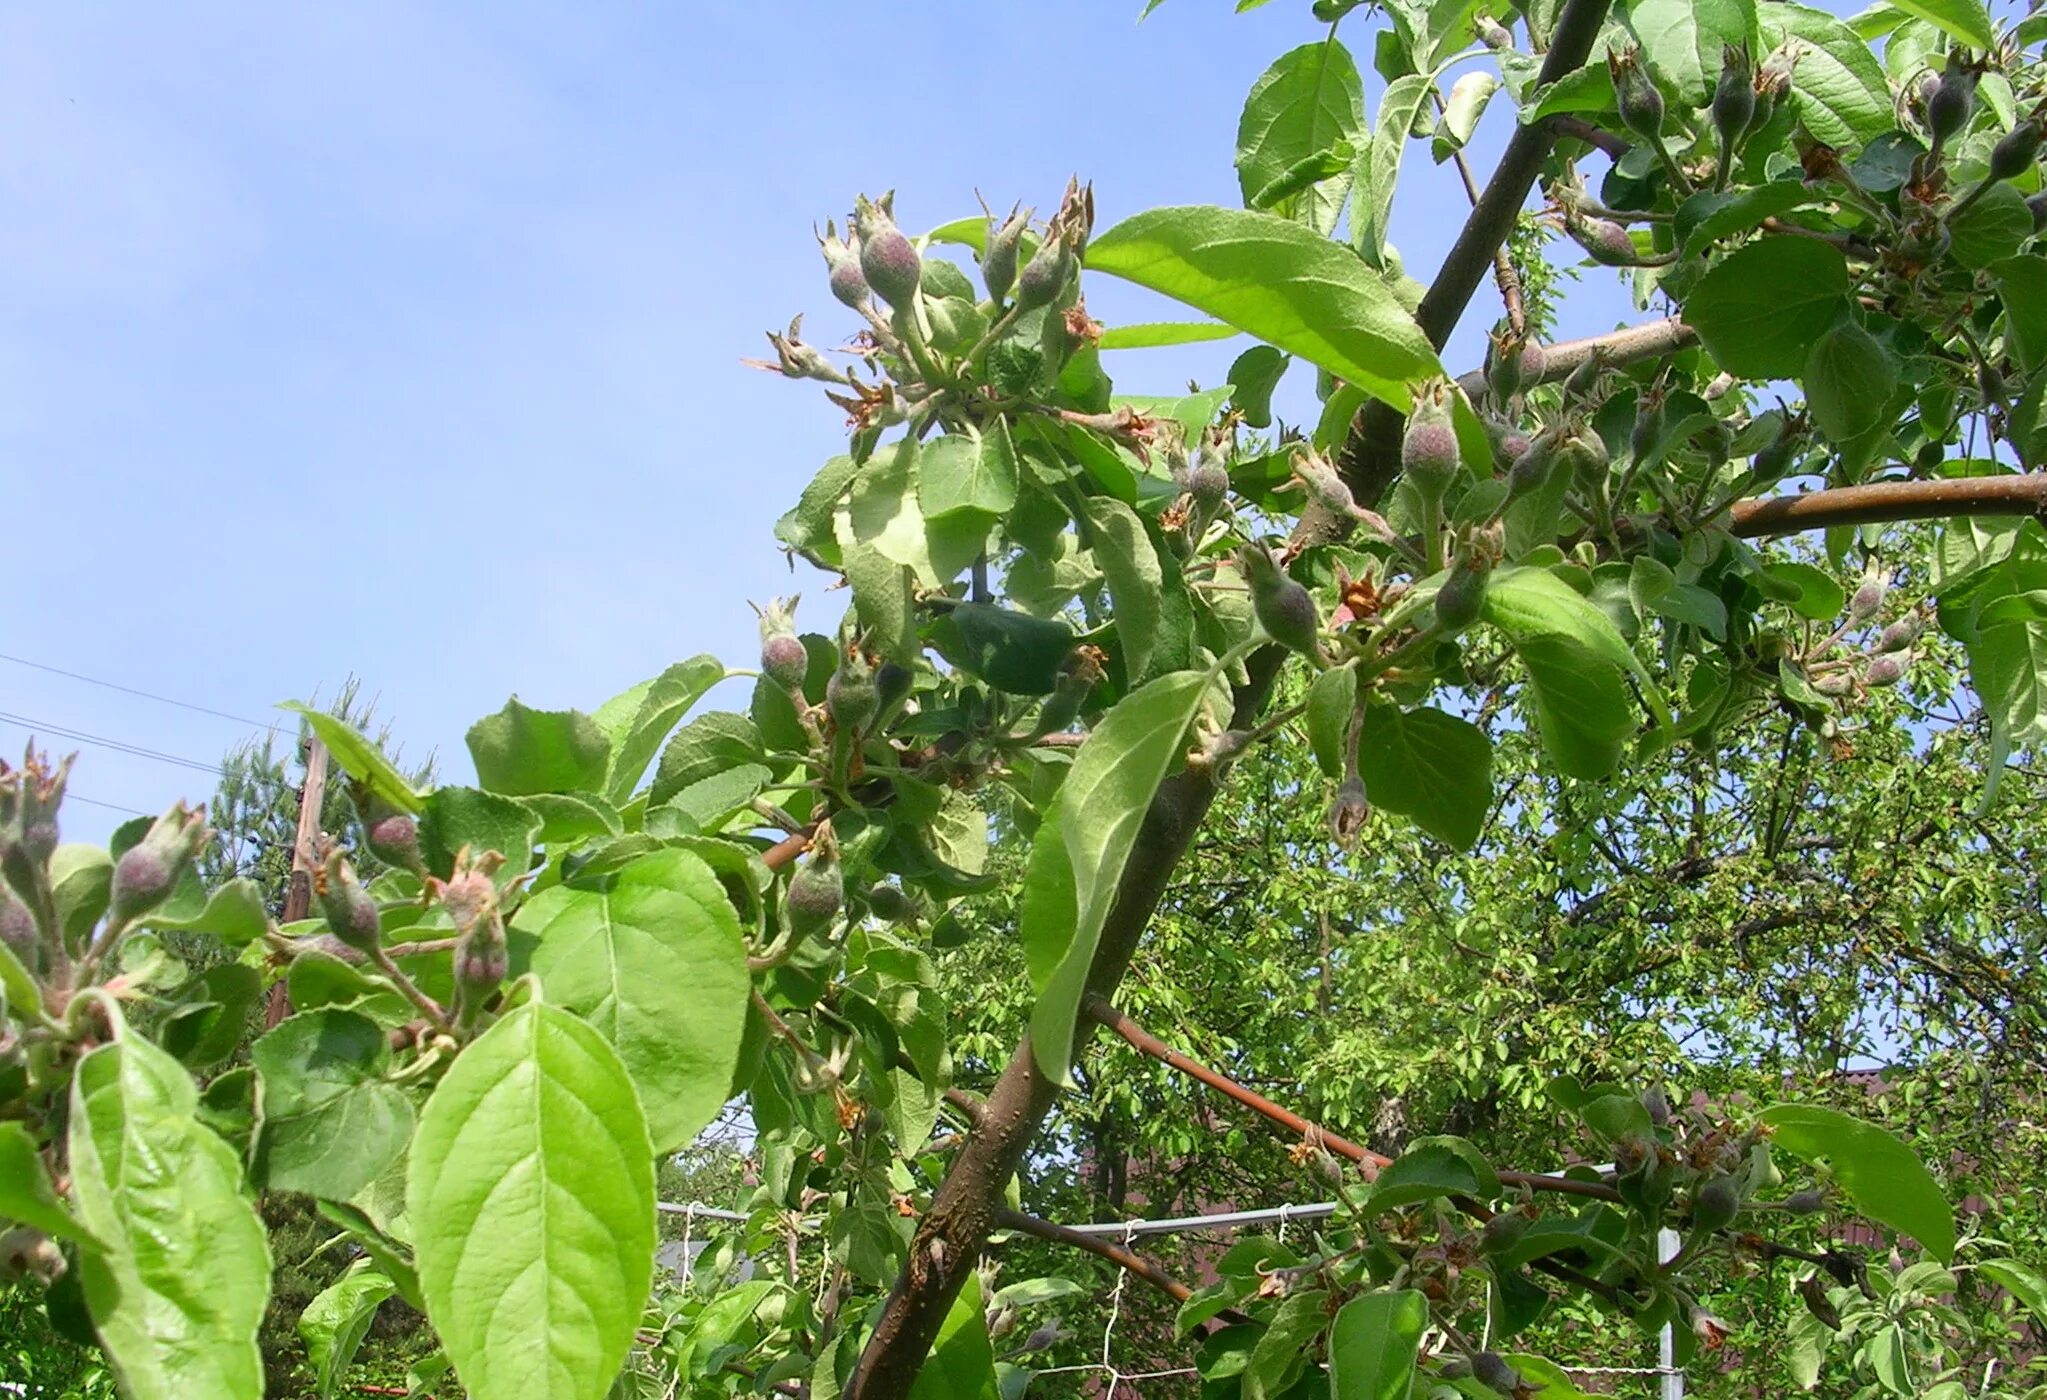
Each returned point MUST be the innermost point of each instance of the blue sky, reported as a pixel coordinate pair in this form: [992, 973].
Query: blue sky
[405, 341]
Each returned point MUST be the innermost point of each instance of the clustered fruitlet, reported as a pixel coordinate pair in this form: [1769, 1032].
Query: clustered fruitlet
[470, 898]
[29, 798]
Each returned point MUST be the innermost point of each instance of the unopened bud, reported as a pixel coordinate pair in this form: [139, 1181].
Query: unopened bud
[889, 904]
[1503, 1232]
[887, 259]
[1584, 380]
[1284, 609]
[148, 871]
[1868, 598]
[1715, 1204]
[1648, 428]
[2013, 156]
[850, 696]
[1492, 1369]
[1806, 1202]
[783, 657]
[1950, 102]
[1428, 449]
[817, 893]
[1462, 595]
[1734, 98]
[998, 263]
[1639, 99]
[391, 835]
[1208, 482]
[1606, 241]
[1492, 33]
[849, 283]
[1045, 276]
[17, 927]
[1885, 670]
[351, 914]
[1657, 1104]
[1900, 634]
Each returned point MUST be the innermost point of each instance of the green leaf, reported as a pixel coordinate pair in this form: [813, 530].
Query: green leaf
[1966, 20]
[1010, 650]
[26, 1195]
[962, 1361]
[1332, 698]
[1813, 593]
[1587, 89]
[234, 913]
[2022, 287]
[331, 1123]
[1373, 1344]
[2019, 1281]
[1838, 89]
[1279, 281]
[19, 990]
[1431, 766]
[1549, 1380]
[809, 526]
[455, 817]
[358, 757]
[883, 594]
[1308, 101]
[1712, 215]
[520, 750]
[1848, 381]
[179, 1289]
[569, 817]
[1576, 661]
[1123, 552]
[967, 472]
[1682, 39]
[1760, 309]
[530, 1194]
[1068, 893]
[211, 1018]
[1991, 229]
[1283, 1350]
[1379, 172]
[654, 961]
[81, 881]
[1887, 1182]
[1147, 335]
[336, 1321]
[1468, 98]
[705, 747]
[637, 720]
[1431, 1167]
[1255, 374]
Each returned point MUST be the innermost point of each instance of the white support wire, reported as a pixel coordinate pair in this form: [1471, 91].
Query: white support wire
[1117, 1377]
[1672, 1386]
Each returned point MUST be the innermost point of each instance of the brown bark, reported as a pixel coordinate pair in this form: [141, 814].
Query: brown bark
[953, 1231]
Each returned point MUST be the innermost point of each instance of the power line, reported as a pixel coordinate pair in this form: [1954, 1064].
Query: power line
[145, 694]
[70, 796]
[117, 745]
